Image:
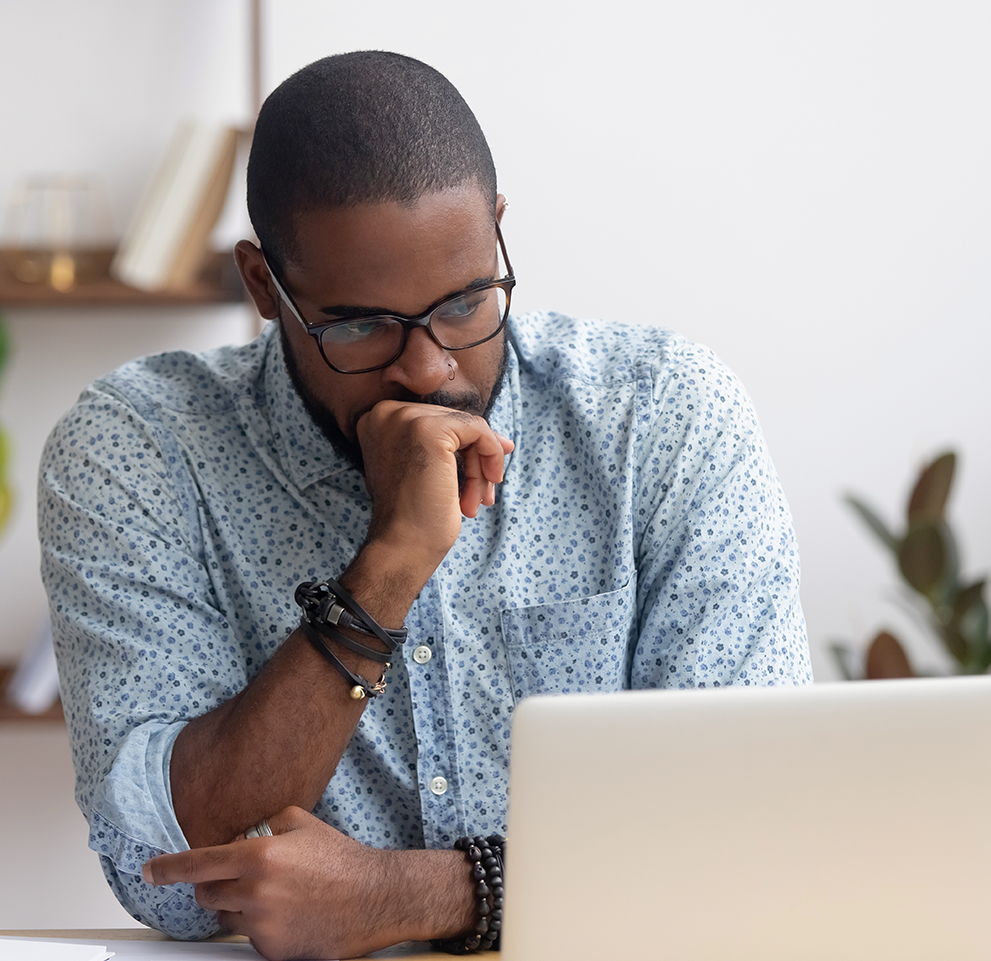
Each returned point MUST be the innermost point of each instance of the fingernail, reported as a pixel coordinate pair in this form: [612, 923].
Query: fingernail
[146, 872]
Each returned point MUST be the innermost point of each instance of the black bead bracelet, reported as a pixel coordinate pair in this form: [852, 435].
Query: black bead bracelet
[487, 857]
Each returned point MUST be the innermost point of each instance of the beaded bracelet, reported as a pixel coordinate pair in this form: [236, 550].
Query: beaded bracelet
[487, 859]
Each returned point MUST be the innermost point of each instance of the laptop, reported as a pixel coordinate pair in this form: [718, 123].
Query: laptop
[839, 822]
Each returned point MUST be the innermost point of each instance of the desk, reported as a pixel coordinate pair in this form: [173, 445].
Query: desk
[410, 951]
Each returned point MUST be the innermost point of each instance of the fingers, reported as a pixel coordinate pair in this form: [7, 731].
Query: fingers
[482, 472]
[453, 430]
[290, 819]
[221, 863]
[224, 862]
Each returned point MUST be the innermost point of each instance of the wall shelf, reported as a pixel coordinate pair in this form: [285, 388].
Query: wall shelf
[10, 713]
[219, 283]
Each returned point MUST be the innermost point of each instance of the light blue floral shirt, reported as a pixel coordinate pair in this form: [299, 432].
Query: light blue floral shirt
[640, 539]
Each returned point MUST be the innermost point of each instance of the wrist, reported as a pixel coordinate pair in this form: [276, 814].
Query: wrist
[432, 892]
[386, 580]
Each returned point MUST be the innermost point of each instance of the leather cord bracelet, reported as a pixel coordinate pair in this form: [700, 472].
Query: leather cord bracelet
[326, 607]
[327, 602]
[487, 857]
[360, 687]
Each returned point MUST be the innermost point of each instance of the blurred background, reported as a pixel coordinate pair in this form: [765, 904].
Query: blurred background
[804, 188]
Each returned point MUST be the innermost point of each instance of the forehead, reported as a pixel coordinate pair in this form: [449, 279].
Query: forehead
[394, 255]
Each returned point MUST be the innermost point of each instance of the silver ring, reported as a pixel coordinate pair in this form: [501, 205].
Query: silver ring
[261, 830]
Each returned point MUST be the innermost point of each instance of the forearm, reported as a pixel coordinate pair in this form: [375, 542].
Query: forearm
[278, 742]
[274, 744]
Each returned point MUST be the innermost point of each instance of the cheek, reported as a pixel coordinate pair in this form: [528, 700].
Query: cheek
[347, 397]
[319, 382]
[485, 368]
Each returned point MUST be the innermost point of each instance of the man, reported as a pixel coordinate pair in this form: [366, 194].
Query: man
[546, 505]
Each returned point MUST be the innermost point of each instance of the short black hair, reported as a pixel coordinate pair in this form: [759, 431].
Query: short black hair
[356, 128]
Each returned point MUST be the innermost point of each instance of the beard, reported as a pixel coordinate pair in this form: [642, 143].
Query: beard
[348, 448]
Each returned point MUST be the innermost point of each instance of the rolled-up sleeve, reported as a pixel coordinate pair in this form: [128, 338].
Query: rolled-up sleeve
[140, 642]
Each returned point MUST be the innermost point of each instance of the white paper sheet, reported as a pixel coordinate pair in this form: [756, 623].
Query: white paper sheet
[15, 949]
[138, 950]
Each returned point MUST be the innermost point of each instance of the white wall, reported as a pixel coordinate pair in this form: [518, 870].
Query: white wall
[49, 879]
[803, 187]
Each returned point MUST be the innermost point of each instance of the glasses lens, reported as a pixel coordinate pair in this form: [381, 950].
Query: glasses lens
[471, 318]
[360, 344]
[369, 342]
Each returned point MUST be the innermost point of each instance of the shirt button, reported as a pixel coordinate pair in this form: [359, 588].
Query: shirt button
[438, 785]
[422, 654]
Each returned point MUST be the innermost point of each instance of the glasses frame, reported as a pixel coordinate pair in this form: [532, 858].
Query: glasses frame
[507, 283]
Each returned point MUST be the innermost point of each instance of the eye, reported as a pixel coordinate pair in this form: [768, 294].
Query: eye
[462, 307]
[357, 330]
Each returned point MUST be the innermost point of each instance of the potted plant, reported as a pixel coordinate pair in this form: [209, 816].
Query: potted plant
[926, 554]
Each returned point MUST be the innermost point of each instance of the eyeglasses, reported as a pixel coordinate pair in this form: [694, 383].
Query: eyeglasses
[359, 344]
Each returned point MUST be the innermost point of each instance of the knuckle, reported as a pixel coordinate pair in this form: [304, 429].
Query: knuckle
[186, 865]
[206, 894]
[266, 856]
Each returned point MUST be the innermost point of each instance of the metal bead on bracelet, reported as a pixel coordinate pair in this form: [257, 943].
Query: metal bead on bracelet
[487, 857]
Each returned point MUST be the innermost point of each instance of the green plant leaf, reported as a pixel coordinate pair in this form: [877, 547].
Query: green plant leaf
[966, 598]
[887, 658]
[945, 592]
[841, 656]
[922, 558]
[955, 643]
[928, 501]
[4, 341]
[972, 620]
[873, 522]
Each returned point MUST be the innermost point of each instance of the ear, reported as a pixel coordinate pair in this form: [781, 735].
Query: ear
[501, 205]
[257, 279]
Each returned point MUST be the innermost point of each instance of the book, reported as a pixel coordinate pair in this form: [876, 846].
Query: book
[166, 241]
[33, 688]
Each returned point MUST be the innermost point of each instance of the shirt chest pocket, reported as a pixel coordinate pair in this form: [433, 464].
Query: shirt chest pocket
[575, 646]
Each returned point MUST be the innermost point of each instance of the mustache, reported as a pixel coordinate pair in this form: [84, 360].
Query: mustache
[466, 400]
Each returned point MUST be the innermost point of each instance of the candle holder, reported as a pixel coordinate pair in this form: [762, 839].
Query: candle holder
[58, 231]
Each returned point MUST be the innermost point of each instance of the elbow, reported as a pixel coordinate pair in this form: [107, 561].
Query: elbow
[172, 910]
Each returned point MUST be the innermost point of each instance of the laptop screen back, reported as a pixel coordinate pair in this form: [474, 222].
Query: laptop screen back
[846, 821]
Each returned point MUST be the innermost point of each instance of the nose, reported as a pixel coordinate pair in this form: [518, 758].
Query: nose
[423, 367]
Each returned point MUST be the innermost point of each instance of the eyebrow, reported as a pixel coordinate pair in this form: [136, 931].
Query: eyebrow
[345, 311]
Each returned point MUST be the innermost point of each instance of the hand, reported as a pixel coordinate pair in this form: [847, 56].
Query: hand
[411, 453]
[311, 892]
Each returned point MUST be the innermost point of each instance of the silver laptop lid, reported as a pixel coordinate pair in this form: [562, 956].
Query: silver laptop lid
[845, 821]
